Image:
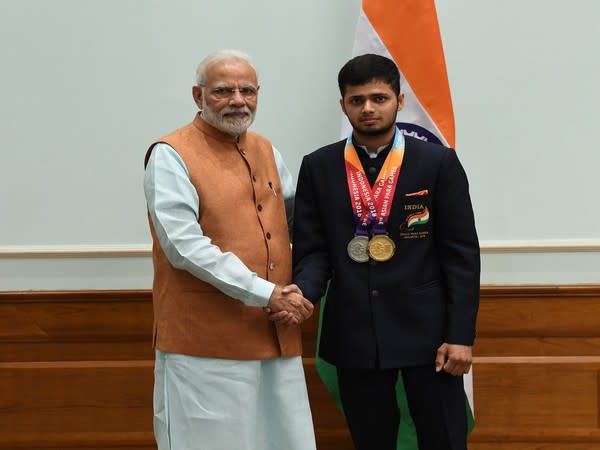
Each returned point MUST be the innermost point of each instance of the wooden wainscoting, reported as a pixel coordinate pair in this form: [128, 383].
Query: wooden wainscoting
[76, 371]
[537, 369]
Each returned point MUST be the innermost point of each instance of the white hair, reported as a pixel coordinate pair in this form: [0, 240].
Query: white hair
[220, 56]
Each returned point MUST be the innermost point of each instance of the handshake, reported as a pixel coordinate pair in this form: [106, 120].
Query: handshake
[287, 305]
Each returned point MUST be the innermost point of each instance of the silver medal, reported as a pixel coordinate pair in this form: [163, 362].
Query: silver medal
[358, 249]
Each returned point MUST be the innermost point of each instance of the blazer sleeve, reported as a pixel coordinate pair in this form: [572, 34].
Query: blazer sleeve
[457, 246]
[310, 253]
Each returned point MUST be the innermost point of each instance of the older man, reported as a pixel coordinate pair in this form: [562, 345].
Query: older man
[226, 377]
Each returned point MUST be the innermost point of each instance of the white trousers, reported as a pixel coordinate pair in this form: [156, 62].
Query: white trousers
[220, 404]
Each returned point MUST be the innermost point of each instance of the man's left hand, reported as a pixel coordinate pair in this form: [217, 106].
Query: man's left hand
[454, 359]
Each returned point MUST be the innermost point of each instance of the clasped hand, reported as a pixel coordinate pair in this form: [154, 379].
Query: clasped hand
[287, 305]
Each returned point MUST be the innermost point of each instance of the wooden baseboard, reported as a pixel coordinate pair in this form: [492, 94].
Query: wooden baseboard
[130, 440]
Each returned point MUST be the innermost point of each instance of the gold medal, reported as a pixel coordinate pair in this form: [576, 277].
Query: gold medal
[381, 247]
[357, 249]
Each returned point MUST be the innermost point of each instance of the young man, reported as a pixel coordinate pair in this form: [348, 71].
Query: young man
[389, 221]
[225, 377]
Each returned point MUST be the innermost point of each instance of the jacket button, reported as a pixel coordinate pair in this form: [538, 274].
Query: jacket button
[254, 178]
[372, 169]
[272, 266]
[242, 151]
[374, 293]
[259, 207]
[268, 235]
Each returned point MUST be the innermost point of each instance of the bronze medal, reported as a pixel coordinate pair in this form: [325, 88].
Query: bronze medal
[357, 249]
[381, 247]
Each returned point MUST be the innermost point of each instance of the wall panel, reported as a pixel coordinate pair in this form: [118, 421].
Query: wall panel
[537, 368]
[76, 371]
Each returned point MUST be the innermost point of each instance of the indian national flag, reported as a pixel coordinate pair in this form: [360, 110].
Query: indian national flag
[407, 32]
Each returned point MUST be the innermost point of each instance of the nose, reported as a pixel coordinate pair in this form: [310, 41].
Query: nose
[368, 106]
[237, 99]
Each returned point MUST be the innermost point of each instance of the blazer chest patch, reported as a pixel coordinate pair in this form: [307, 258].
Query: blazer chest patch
[415, 216]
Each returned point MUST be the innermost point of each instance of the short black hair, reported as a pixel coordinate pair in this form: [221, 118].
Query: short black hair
[365, 68]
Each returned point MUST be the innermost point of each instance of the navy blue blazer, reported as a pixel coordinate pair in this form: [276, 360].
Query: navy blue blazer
[397, 313]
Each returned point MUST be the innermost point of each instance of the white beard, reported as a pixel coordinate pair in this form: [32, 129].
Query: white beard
[231, 126]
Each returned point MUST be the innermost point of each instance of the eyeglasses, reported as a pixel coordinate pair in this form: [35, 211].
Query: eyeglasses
[226, 92]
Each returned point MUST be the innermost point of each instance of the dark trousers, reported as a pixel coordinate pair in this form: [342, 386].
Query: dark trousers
[436, 402]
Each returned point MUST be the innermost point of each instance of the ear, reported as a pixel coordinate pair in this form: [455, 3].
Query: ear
[342, 105]
[400, 101]
[197, 96]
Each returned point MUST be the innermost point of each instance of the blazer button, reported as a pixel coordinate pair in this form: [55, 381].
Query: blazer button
[272, 266]
[374, 293]
[242, 151]
[372, 169]
[254, 178]
[268, 235]
[259, 207]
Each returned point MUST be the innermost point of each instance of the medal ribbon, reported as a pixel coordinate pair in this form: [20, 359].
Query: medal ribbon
[372, 206]
[361, 215]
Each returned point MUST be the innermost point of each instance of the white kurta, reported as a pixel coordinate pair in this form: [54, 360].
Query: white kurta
[220, 404]
[208, 403]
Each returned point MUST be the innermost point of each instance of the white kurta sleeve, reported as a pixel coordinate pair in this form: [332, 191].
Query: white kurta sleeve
[287, 188]
[173, 205]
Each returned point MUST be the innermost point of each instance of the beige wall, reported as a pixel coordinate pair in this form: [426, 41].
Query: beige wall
[87, 85]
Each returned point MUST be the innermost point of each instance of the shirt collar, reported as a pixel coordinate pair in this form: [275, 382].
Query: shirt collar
[374, 154]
